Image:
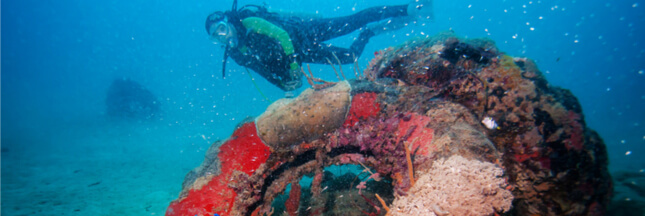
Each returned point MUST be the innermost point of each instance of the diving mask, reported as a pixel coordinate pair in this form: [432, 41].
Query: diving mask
[220, 30]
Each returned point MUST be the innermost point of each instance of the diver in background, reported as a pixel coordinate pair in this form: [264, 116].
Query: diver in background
[275, 45]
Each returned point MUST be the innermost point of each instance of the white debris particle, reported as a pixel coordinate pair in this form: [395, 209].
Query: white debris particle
[628, 153]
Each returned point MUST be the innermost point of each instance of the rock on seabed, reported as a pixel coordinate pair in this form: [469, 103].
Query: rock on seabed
[423, 100]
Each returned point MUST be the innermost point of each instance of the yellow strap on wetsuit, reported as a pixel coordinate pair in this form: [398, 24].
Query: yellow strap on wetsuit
[264, 27]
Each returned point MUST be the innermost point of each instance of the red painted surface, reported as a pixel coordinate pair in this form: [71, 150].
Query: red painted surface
[244, 152]
[363, 105]
[523, 157]
[421, 134]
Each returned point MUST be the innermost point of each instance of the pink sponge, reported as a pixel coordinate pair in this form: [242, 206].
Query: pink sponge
[456, 186]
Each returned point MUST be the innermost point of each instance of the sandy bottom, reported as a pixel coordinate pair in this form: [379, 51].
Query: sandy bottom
[130, 168]
[122, 169]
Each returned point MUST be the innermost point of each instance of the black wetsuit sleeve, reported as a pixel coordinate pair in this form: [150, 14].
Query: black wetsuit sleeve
[264, 56]
[272, 69]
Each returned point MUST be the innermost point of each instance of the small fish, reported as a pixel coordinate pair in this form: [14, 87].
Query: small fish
[489, 123]
[94, 184]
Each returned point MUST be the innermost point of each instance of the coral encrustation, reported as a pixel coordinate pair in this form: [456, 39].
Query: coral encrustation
[416, 121]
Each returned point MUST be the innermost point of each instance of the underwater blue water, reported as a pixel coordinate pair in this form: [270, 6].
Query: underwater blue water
[62, 154]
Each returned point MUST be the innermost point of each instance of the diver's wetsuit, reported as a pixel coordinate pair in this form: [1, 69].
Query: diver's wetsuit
[269, 57]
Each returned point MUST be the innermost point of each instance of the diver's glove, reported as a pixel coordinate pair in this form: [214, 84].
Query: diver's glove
[292, 81]
[291, 85]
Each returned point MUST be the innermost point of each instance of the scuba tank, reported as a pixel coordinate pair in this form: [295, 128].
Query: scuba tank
[235, 17]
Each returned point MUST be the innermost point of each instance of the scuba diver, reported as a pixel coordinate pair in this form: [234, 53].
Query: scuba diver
[275, 45]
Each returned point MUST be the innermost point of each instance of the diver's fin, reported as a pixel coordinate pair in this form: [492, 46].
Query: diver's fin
[390, 24]
[418, 10]
[422, 9]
